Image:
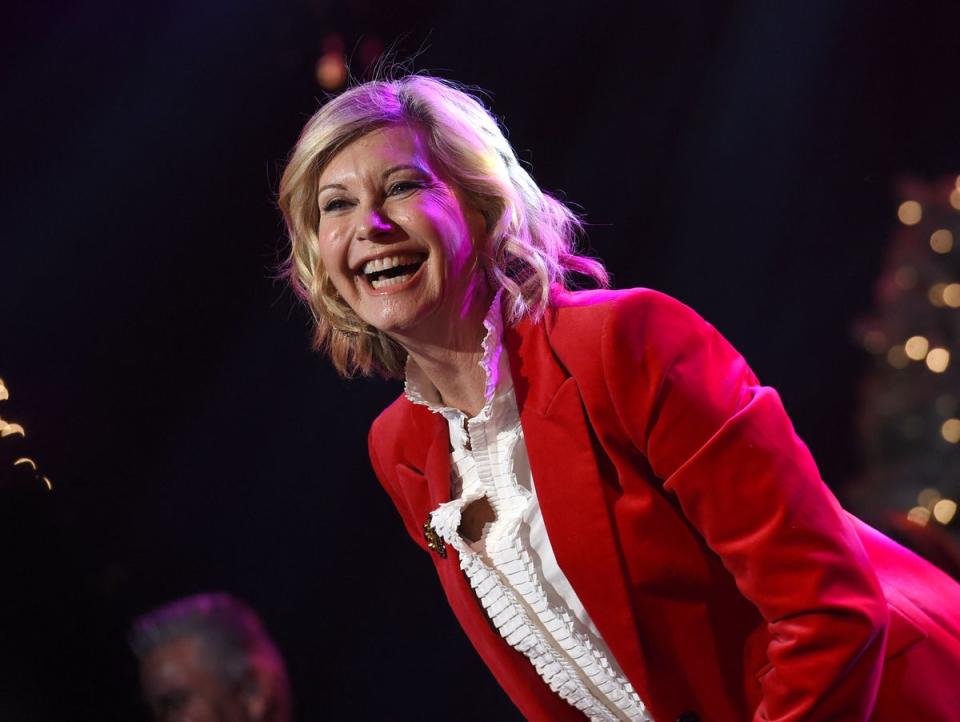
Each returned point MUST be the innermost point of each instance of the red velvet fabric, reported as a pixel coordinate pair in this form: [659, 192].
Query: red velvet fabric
[695, 528]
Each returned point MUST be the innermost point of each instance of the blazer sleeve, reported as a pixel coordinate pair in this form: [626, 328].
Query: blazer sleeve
[723, 445]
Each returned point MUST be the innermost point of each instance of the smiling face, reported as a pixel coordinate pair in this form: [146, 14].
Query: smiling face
[399, 241]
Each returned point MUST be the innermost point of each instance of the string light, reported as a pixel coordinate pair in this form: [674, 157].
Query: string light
[916, 347]
[950, 430]
[910, 213]
[938, 359]
[8, 429]
[941, 241]
[944, 510]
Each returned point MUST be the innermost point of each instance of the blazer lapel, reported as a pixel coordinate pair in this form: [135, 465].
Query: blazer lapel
[437, 466]
[575, 497]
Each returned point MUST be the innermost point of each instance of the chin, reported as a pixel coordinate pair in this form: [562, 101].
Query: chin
[401, 319]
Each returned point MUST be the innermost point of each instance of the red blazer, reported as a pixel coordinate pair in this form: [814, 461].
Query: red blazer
[695, 528]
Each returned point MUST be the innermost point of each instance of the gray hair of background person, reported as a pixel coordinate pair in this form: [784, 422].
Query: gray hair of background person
[231, 635]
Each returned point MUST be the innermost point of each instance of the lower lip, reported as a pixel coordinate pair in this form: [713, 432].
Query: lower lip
[395, 287]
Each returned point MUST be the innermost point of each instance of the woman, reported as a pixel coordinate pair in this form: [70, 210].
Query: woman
[621, 517]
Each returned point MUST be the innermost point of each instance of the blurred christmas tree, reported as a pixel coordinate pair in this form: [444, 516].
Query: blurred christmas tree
[909, 415]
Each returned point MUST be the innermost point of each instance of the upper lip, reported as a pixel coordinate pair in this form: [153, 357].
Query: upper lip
[357, 266]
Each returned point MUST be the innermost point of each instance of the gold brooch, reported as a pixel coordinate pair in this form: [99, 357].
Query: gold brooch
[434, 540]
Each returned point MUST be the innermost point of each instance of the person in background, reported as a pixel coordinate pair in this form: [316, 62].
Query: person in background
[208, 658]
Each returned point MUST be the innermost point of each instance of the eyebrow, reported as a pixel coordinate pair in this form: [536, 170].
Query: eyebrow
[321, 189]
[386, 174]
[404, 166]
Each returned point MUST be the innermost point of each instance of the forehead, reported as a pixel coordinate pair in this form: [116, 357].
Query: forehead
[375, 152]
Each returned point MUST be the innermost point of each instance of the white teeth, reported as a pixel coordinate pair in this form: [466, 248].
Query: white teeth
[383, 282]
[384, 264]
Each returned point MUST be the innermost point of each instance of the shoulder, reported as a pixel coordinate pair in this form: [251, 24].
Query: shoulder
[402, 433]
[628, 317]
[392, 423]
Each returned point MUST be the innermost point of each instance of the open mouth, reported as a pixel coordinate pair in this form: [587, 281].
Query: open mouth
[392, 270]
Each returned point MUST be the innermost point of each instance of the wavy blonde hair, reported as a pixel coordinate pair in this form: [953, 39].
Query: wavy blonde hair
[531, 236]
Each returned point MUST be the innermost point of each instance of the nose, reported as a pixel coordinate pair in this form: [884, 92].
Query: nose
[374, 224]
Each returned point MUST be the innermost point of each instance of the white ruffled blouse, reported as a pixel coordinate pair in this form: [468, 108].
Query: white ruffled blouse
[512, 567]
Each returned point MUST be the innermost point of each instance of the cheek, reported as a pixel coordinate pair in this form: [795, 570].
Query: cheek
[452, 233]
[332, 251]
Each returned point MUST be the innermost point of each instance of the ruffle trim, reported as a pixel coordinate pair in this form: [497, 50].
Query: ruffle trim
[571, 665]
[512, 596]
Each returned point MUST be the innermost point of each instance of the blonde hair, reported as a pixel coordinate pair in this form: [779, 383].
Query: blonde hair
[531, 235]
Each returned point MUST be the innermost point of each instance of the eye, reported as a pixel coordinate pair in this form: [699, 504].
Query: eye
[405, 186]
[335, 204]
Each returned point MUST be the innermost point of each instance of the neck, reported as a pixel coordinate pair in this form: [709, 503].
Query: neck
[457, 376]
[453, 365]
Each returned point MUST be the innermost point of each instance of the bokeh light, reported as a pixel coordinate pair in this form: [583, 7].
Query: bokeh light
[331, 70]
[928, 497]
[951, 430]
[916, 347]
[944, 510]
[938, 359]
[951, 295]
[955, 198]
[941, 241]
[4, 393]
[897, 357]
[919, 515]
[910, 213]
[935, 294]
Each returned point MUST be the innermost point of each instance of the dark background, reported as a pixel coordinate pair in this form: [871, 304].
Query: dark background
[740, 156]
